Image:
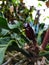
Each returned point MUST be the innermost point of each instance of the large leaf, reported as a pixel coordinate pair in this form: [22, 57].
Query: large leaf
[4, 40]
[20, 38]
[2, 52]
[4, 32]
[20, 34]
[3, 23]
[16, 25]
[3, 44]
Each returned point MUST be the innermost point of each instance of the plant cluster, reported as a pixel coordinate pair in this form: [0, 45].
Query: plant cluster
[18, 43]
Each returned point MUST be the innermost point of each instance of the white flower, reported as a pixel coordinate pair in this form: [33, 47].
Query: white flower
[44, 18]
[37, 4]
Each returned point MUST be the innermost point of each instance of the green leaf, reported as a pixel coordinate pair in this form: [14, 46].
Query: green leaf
[4, 32]
[19, 35]
[4, 40]
[14, 45]
[16, 1]
[6, 46]
[3, 23]
[3, 46]
[39, 4]
[2, 52]
[39, 39]
[47, 47]
[46, 54]
[20, 39]
[16, 25]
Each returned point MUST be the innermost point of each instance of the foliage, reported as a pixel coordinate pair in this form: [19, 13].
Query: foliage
[13, 38]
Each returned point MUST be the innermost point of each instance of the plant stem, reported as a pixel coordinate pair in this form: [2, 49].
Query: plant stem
[46, 39]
